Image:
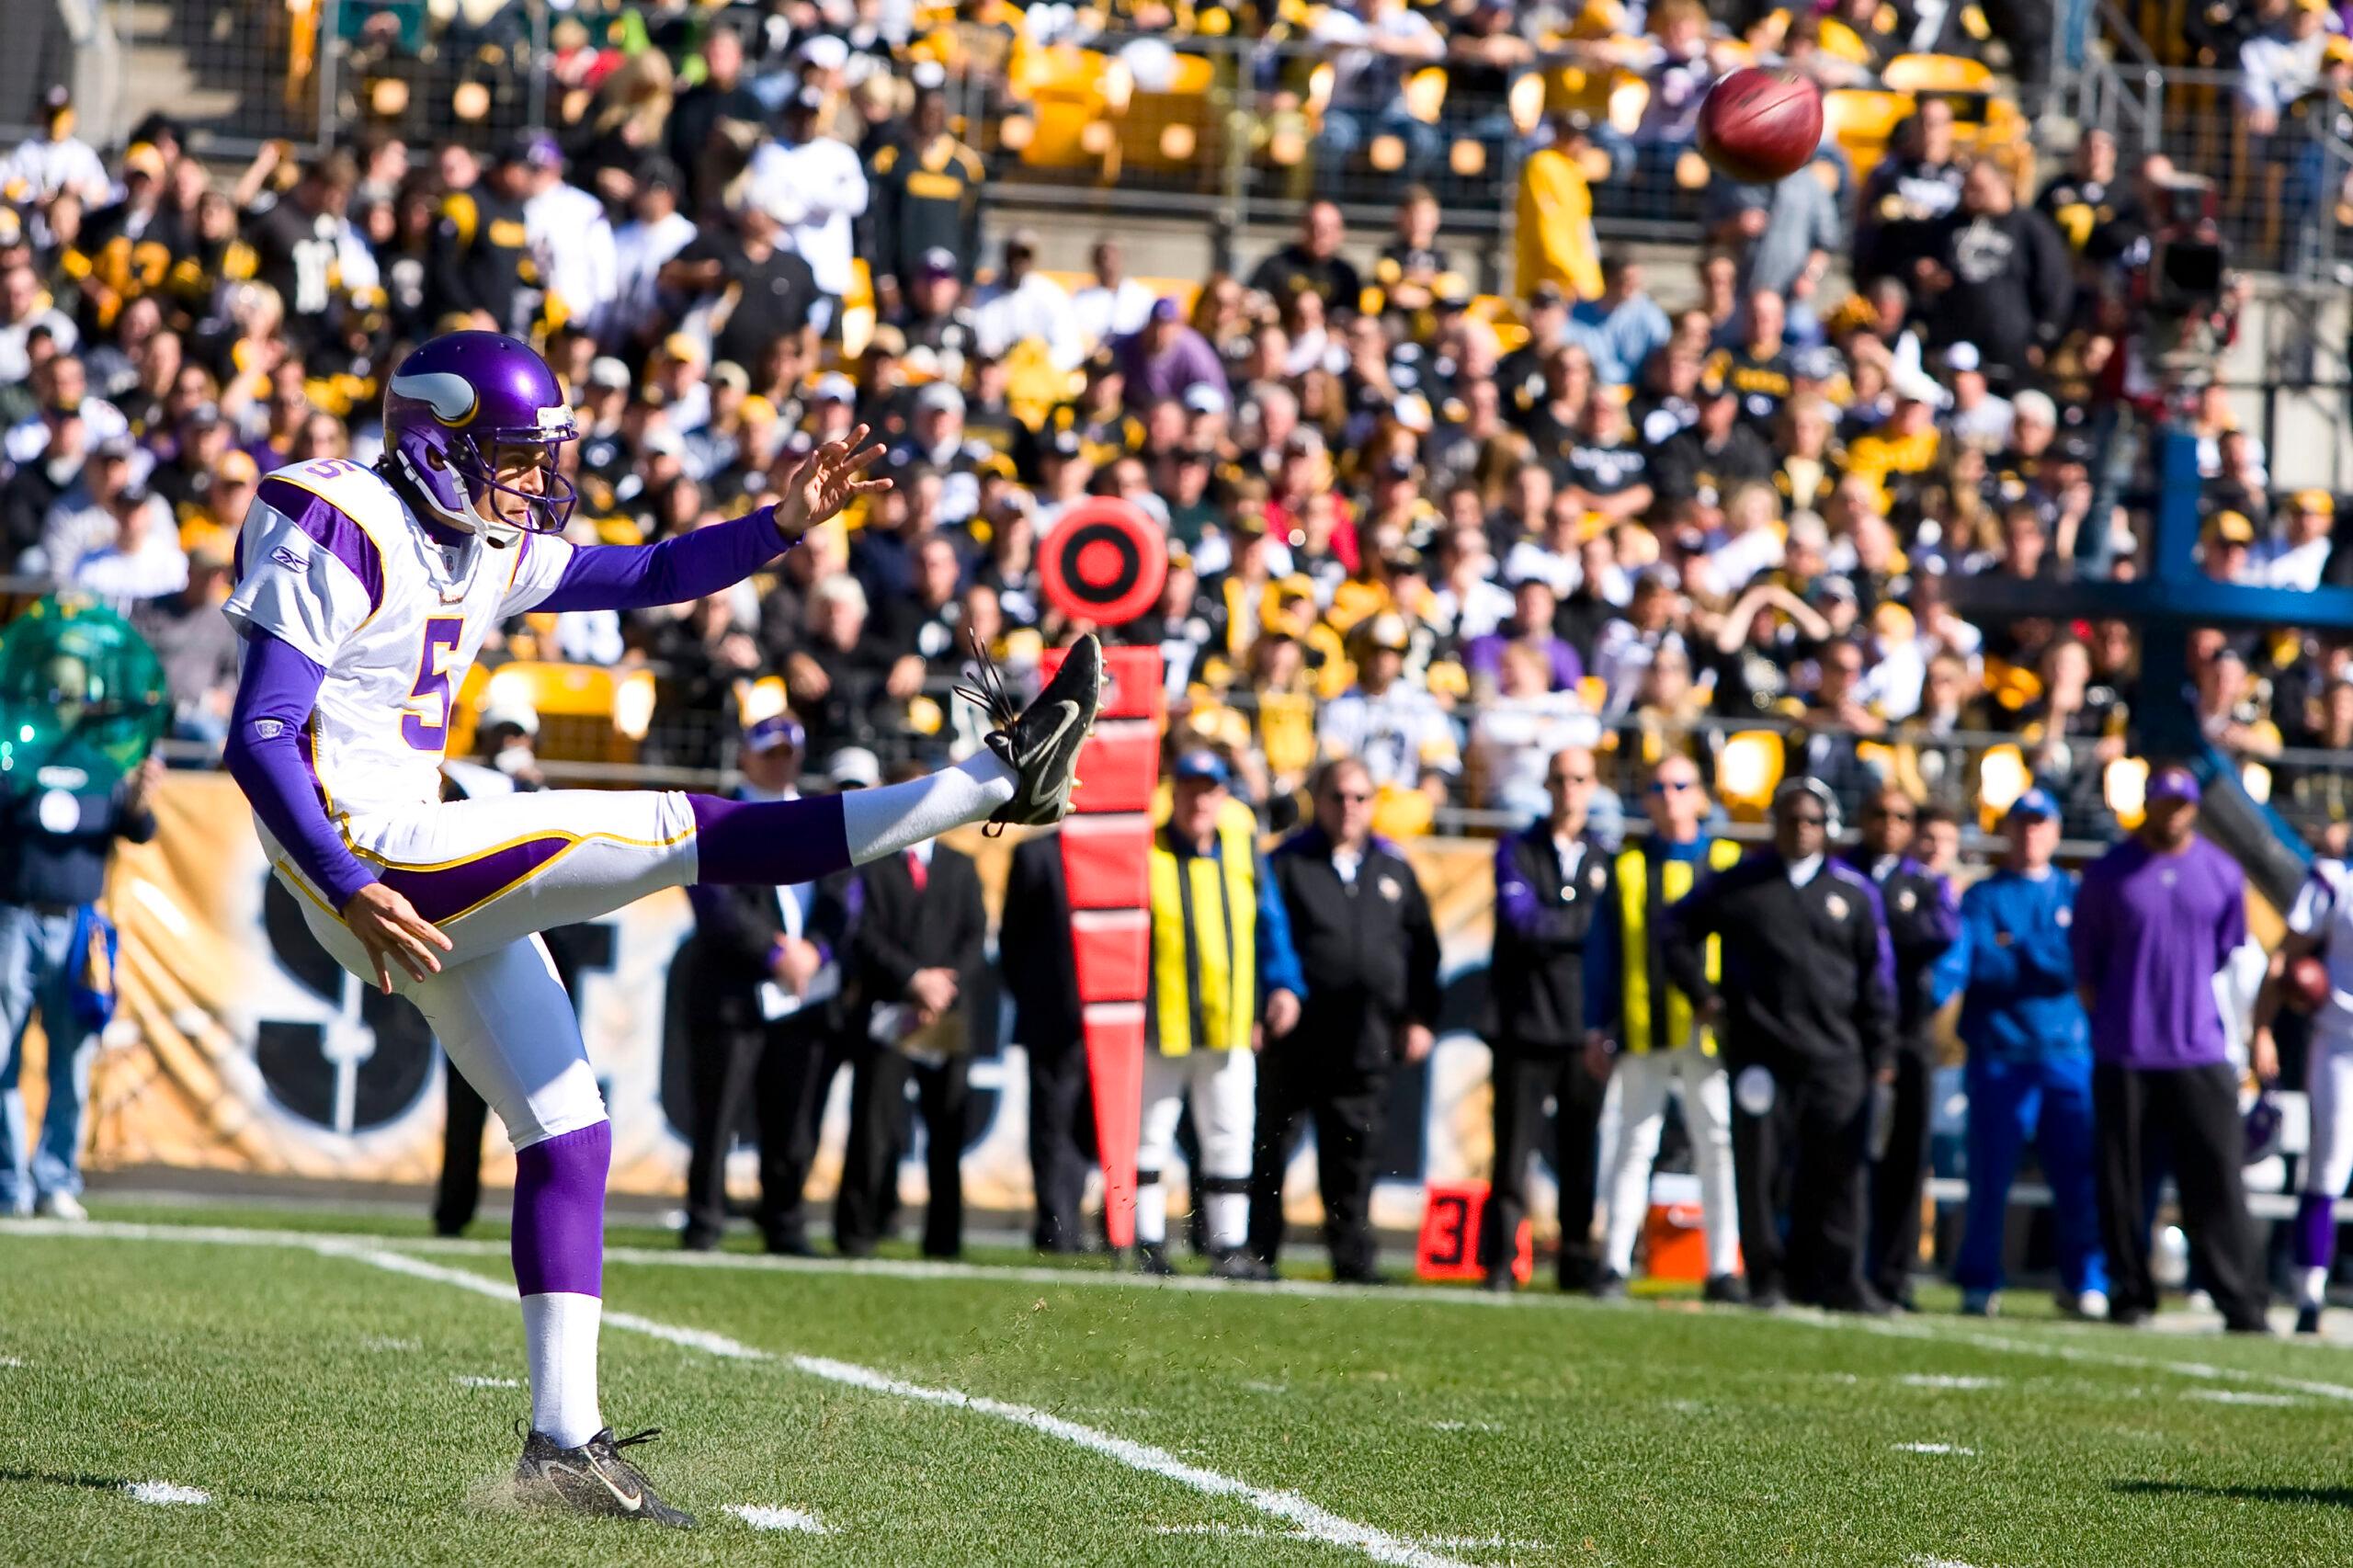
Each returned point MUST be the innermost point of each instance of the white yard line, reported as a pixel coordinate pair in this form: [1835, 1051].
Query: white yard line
[1934, 1449]
[2051, 1345]
[162, 1493]
[1317, 1523]
[761, 1518]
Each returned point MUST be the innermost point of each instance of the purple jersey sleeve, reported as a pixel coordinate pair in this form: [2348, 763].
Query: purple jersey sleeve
[635, 576]
[276, 692]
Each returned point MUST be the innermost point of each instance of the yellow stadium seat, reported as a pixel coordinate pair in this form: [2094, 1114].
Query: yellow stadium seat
[1748, 770]
[1064, 87]
[1879, 756]
[2002, 777]
[1170, 126]
[761, 699]
[1937, 73]
[1593, 692]
[1862, 121]
[2256, 779]
[1424, 93]
[577, 707]
[2124, 785]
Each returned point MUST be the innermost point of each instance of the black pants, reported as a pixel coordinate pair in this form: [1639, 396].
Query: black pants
[794, 1079]
[1524, 1079]
[878, 1136]
[771, 1075]
[466, 1115]
[1059, 1107]
[1805, 1156]
[2195, 1112]
[1898, 1178]
[1297, 1081]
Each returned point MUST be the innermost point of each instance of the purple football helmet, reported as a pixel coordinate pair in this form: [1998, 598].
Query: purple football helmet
[452, 404]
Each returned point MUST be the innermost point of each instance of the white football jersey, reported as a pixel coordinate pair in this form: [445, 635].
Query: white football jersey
[332, 563]
[2323, 909]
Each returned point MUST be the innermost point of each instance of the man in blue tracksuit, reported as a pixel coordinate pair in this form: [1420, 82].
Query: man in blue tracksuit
[2030, 1070]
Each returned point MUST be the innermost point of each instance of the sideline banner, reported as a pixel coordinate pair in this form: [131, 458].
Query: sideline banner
[239, 1046]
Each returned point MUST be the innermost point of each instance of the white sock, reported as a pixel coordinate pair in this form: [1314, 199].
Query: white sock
[894, 817]
[2311, 1287]
[560, 1343]
[1229, 1220]
[1151, 1211]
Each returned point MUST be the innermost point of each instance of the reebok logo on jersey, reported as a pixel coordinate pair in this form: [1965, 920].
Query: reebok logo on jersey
[289, 560]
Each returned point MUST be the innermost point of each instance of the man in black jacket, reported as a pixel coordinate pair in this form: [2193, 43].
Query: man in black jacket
[915, 956]
[1805, 1012]
[760, 1006]
[1996, 275]
[1040, 971]
[1362, 928]
[1552, 883]
[1922, 914]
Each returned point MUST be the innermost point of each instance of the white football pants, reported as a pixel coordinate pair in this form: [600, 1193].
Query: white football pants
[1223, 1085]
[1631, 1119]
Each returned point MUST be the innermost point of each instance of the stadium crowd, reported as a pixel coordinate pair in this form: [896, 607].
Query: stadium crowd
[1448, 538]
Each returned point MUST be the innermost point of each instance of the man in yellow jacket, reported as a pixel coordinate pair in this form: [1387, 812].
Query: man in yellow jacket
[1556, 240]
[1223, 971]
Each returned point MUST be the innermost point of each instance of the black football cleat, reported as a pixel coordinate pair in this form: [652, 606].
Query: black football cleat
[1725, 1290]
[592, 1479]
[1039, 743]
[1152, 1258]
[2307, 1320]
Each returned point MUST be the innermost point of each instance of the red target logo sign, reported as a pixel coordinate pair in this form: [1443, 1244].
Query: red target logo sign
[1106, 561]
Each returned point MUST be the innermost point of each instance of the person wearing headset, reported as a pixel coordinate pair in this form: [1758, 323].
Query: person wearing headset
[1804, 1002]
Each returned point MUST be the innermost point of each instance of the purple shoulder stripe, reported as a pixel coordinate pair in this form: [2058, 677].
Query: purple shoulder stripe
[332, 528]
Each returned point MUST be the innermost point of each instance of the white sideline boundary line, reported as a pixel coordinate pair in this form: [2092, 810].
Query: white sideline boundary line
[1306, 1518]
[2052, 1346]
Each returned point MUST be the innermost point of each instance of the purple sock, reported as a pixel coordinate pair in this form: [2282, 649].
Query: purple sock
[2315, 1230]
[768, 843]
[559, 1241]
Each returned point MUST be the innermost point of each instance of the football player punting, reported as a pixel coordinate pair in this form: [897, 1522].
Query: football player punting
[364, 595]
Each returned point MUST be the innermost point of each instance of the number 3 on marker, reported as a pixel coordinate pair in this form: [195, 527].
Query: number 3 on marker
[426, 724]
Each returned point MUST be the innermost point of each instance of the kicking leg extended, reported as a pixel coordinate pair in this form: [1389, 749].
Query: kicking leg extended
[482, 874]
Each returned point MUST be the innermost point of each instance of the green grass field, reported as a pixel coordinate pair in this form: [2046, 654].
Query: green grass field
[342, 1397]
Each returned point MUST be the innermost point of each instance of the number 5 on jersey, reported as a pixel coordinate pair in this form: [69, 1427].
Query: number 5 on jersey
[426, 724]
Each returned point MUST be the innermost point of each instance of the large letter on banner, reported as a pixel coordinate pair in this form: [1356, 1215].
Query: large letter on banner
[1104, 562]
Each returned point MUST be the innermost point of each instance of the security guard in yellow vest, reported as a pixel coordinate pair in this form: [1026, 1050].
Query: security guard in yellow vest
[1221, 965]
[1656, 1046]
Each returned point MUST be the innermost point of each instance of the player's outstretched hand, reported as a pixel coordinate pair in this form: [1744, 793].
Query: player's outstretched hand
[393, 931]
[826, 481]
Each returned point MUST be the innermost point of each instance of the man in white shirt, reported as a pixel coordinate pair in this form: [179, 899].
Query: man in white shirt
[1025, 305]
[61, 383]
[1976, 414]
[656, 233]
[2307, 525]
[569, 234]
[1114, 305]
[821, 179]
[25, 305]
[57, 160]
[1398, 730]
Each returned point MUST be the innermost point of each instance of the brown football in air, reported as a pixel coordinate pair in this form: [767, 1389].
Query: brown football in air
[1759, 125]
[2308, 984]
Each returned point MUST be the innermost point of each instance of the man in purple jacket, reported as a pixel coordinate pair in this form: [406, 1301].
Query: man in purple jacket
[2155, 920]
[1167, 358]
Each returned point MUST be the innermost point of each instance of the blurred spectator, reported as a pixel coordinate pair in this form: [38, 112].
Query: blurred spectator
[915, 960]
[109, 536]
[1518, 730]
[1621, 326]
[1401, 735]
[804, 169]
[1313, 263]
[1657, 1044]
[194, 642]
[1367, 951]
[1113, 305]
[1035, 957]
[1995, 275]
[926, 198]
[2155, 920]
[1225, 981]
[1555, 218]
[57, 958]
[2029, 1074]
[1807, 1021]
[1553, 894]
[1375, 43]
[1026, 306]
